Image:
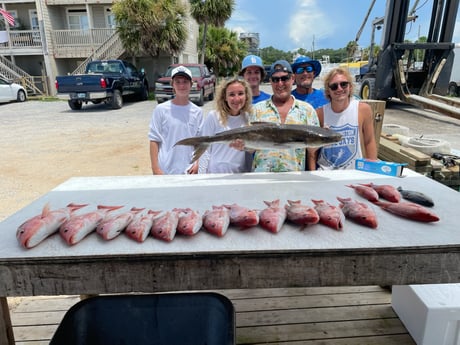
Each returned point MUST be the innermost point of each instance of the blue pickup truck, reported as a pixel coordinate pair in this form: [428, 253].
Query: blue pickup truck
[104, 81]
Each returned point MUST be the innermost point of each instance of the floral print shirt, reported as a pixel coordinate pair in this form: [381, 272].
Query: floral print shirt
[286, 159]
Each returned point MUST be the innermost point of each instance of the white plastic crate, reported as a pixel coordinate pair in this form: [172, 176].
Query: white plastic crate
[431, 312]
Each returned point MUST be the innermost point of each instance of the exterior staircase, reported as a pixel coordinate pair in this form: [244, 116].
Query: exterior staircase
[12, 72]
[112, 48]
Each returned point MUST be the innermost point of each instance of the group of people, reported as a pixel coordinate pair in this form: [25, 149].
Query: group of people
[240, 102]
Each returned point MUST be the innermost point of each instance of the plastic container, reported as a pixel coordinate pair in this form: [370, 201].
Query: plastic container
[160, 319]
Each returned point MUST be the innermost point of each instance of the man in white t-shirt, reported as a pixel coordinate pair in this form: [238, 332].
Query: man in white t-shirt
[172, 121]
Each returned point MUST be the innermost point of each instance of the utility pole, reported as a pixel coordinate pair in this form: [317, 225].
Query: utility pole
[313, 48]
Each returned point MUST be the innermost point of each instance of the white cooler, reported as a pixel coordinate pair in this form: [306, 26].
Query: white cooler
[431, 312]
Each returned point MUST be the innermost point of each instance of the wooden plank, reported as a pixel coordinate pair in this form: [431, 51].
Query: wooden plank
[300, 302]
[313, 315]
[397, 339]
[419, 156]
[323, 330]
[234, 294]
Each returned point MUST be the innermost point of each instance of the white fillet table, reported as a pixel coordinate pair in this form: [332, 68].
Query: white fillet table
[398, 252]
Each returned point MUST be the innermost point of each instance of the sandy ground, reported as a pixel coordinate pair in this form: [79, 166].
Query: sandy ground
[42, 144]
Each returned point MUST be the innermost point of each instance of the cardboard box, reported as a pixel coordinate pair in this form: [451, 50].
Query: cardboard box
[380, 167]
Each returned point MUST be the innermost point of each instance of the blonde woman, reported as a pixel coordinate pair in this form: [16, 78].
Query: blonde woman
[233, 104]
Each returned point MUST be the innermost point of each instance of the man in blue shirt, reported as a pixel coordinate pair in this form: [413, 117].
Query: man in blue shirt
[253, 71]
[306, 70]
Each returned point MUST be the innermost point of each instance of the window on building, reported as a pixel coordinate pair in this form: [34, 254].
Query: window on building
[109, 18]
[77, 19]
[33, 20]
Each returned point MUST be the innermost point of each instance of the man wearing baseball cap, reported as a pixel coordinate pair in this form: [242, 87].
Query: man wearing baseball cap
[253, 71]
[172, 121]
[282, 108]
[305, 71]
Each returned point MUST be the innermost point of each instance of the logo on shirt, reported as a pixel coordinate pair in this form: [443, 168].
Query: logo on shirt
[342, 153]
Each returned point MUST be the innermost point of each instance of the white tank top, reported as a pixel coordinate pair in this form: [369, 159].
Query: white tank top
[341, 155]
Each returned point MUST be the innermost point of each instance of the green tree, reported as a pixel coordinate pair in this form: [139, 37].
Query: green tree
[151, 26]
[270, 54]
[352, 48]
[224, 51]
[214, 12]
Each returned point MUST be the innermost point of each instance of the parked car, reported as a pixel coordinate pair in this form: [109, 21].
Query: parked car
[204, 84]
[10, 91]
[104, 81]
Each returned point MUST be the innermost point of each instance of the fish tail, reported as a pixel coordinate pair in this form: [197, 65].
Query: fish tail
[199, 150]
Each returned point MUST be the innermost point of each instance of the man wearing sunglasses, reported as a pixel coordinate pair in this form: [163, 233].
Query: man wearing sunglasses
[351, 118]
[283, 108]
[305, 72]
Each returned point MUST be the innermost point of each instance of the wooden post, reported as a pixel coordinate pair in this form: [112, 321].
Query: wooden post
[378, 110]
[6, 329]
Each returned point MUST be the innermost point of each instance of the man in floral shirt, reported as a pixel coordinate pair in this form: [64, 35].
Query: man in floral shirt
[283, 108]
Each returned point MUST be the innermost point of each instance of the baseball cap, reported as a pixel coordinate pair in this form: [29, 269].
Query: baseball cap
[280, 66]
[181, 70]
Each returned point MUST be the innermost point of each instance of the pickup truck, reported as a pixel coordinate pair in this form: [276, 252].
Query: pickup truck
[104, 81]
[204, 84]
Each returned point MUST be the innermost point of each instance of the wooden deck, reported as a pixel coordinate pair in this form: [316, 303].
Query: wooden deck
[309, 316]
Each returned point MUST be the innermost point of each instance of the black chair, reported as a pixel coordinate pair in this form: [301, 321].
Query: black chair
[195, 318]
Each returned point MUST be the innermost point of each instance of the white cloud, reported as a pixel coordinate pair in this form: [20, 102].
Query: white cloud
[309, 23]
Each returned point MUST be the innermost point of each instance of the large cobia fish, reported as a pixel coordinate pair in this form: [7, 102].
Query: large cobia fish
[261, 136]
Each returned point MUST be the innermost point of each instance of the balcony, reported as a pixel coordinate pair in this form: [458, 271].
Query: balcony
[78, 43]
[21, 42]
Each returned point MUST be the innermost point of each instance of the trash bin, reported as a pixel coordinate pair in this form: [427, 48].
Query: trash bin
[149, 319]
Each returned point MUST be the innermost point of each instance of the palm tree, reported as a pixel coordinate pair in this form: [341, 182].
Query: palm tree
[151, 26]
[224, 51]
[215, 12]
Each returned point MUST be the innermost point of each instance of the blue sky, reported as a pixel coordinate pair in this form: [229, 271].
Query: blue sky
[318, 24]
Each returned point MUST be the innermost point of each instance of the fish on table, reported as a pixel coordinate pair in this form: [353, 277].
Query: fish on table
[112, 226]
[358, 212]
[79, 226]
[409, 210]
[217, 220]
[417, 197]
[164, 225]
[263, 135]
[242, 217]
[36, 229]
[329, 215]
[385, 191]
[140, 226]
[273, 217]
[367, 192]
[301, 214]
[190, 221]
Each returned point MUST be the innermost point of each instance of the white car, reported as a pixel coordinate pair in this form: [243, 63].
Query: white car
[11, 92]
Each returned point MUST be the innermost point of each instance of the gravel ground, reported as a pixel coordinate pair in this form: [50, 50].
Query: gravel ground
[42, 144]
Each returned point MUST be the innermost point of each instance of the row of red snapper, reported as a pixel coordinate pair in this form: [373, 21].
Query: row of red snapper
[138, 223]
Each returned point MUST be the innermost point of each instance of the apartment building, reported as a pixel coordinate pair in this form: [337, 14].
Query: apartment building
[56, 37]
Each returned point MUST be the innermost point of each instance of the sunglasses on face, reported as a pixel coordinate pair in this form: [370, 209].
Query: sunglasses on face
[335, 86]
[300, 70]
[284, 78]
